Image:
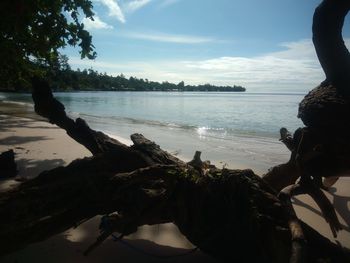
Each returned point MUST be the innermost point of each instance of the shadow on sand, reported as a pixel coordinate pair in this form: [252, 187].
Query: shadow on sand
[28, 169]
[340, 204]
[13, 140]
[63, 248]
[7, 124]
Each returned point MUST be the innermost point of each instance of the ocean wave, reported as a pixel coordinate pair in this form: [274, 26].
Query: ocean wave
[109, 119]
[203, 132]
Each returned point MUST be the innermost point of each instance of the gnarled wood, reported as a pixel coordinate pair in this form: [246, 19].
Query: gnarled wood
[49, 107]
[321, 149]
[332, 53]
[223, 213]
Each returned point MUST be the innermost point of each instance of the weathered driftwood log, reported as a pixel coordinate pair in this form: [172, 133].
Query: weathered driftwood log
[47, 106]
[223, 212]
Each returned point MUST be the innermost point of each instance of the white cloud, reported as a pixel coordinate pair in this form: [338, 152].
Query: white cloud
[160, 37]
[265, 71]
[118, 10]
[166, 3]
[295, 69]
[135, 5]
[299, 49]
[96, 24]
[114, 9]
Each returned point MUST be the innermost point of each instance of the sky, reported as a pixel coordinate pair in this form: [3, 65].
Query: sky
[263, 45]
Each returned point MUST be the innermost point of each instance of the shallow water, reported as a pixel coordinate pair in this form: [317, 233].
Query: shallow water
[239, 129]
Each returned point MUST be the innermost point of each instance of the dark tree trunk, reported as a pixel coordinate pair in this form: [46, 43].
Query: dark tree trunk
[329, 44]
[324, 151]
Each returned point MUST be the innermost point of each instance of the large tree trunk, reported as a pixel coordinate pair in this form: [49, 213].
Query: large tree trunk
[320, 151]
[324, 150]
[332, 53]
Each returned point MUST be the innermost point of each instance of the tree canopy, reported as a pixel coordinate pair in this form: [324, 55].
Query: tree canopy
[62, 78]
[36, 30]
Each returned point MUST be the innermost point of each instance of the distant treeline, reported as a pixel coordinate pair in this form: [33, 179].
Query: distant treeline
[62, 78]
[70, 80]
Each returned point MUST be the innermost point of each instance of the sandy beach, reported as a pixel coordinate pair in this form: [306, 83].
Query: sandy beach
[41, 146]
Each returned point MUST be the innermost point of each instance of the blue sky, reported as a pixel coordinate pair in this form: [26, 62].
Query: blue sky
[264, 45]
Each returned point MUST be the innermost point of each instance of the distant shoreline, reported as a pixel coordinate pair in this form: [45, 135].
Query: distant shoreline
[107, 90]
[199, 91]
[66, 79]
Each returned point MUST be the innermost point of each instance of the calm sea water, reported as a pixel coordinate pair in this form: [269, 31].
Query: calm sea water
[242, 125]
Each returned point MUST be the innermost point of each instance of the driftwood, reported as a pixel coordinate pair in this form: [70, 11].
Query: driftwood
[223, 212]
[322, 148]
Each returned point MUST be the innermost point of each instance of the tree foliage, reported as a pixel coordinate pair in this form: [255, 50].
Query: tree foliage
[62, 78]
[37, 29]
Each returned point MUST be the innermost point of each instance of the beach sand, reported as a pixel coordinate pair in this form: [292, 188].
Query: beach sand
[41, 146]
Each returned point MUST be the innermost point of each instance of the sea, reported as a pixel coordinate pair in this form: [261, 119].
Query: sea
[234, 130]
